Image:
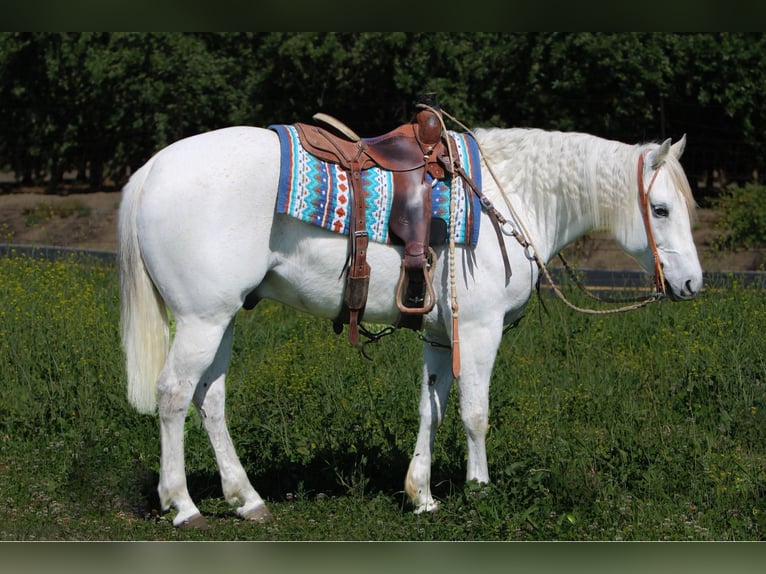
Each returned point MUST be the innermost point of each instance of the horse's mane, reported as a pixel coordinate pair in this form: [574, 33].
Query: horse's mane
[582, 170]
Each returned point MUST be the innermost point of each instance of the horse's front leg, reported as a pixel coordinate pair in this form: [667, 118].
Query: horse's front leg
[478, 352]
[437, 380]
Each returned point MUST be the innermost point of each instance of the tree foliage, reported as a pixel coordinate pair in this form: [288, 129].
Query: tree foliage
[98, 104]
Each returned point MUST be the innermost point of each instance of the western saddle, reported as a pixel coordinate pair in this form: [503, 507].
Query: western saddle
[410, 152]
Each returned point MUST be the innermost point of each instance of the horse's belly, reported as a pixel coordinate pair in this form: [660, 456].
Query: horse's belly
[307, 271]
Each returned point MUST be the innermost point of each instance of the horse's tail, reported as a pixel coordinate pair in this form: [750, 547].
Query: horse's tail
[143, 315]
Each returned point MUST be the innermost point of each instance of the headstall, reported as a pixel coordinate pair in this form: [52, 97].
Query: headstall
[643, 196]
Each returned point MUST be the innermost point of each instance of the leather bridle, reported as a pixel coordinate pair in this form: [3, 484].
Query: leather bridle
[643, 196]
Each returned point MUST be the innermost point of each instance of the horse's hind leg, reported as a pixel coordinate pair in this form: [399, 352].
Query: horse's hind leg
[210, 399]
[191, 359]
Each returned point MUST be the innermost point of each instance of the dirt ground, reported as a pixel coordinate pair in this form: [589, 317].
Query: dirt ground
[77, 220]
[89, 220]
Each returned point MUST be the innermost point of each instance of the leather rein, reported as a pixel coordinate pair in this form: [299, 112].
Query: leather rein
[659, 277]
[500, 223]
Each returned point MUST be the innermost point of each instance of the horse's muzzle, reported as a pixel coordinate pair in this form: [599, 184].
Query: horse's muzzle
[687, 292]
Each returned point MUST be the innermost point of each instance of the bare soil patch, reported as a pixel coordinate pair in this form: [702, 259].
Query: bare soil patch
[31, 216]
[76, 220]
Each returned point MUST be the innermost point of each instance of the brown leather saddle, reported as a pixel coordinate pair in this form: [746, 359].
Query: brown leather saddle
[410, 152]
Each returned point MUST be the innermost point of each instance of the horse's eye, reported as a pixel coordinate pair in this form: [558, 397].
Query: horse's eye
[660, 211]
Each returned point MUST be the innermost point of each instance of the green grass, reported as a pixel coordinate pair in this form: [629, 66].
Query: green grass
[45, 210]
[641, 426]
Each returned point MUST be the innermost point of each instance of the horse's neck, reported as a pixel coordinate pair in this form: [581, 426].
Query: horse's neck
[563, 185]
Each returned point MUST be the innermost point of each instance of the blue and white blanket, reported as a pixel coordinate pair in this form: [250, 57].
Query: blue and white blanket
[318, 192]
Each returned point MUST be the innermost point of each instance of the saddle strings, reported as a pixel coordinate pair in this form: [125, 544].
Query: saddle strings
[525, 240]
[455, 307]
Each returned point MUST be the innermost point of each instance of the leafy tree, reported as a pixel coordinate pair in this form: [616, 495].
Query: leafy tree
[103, 101]
[719, 99]
[23, 104]
[149, 90]
[100, 103]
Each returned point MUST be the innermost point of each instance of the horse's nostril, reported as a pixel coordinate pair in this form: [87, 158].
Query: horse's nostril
[689, 287]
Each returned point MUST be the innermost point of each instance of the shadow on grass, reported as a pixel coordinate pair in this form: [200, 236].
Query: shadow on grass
[328, 475]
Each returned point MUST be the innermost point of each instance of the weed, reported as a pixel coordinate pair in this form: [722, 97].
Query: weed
[45, 210]
[6, 233]
[645, 426]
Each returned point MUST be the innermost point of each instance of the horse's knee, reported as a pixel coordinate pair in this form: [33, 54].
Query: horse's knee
[476, 423]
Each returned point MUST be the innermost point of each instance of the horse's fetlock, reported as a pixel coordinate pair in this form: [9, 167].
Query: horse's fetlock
[166, 501]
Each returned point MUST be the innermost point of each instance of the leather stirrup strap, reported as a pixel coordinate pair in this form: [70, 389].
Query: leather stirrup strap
[358, 279]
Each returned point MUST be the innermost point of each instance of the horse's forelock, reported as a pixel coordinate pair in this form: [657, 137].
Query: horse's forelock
[681, 183]
[679, 180]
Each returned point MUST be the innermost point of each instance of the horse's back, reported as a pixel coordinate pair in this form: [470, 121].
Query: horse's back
[206, 214]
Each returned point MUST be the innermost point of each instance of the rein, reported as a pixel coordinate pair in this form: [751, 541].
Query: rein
[531, 251]
[659, 278]
[501, 224]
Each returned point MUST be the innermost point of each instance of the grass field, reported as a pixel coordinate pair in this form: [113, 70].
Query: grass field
[642, 426]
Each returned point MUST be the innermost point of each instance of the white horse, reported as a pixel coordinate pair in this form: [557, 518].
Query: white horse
[198, 234]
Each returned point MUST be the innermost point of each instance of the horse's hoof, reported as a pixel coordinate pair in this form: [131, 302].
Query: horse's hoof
[196, 522]
[429, 507]
[256, 514]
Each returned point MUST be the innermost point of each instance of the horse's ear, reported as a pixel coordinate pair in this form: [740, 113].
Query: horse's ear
[659, 156]
[677, 149]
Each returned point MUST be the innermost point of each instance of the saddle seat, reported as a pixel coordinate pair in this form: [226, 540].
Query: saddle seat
[402, 149]
[409, 152]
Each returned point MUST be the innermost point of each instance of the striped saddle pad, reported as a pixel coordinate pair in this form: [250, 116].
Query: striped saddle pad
[318, 192]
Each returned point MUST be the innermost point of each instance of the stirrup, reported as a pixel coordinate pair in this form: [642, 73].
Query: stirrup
[429, 299]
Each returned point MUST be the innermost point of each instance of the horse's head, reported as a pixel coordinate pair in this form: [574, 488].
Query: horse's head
[663, 242]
